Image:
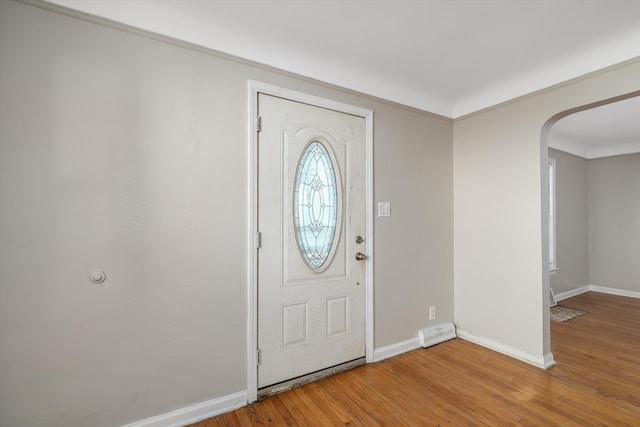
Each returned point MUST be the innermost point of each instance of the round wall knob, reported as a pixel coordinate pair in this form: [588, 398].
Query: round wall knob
[98, 277]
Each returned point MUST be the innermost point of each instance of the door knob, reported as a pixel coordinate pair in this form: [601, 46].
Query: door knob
[360, 256]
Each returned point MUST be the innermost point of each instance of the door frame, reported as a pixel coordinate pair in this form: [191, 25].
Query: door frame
[254, 88]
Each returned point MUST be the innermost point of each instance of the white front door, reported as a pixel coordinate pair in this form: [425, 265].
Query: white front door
[311, 218]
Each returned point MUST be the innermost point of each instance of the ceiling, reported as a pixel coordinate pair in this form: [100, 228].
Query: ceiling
[449, 57]
[608, 130]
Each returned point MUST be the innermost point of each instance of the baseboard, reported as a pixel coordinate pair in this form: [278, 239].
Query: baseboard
[431, 336]
[565, 295]
[544, 362]
[548, 360]
[194, 413]
[614, 291]
[395, 349]
[594, 288]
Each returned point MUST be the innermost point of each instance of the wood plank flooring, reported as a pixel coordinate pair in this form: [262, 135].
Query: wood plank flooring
[457, 383]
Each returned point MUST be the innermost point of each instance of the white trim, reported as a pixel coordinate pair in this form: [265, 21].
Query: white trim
[548, 361]
[578, 149]
[541, 361]
[614, 150]
[430, 336]
[436, 334]
[614, 291]
[255, 87]
[553, 253]
[368, 295]
[594, 288]
[194, 413]
[553, 301]
[568, 294]
[252, 258]
[395, 349]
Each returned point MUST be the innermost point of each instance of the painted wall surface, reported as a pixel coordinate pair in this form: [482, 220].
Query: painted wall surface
[414, 257]
[127, 154]
[614, 222]
[500, 248]
[571, 222]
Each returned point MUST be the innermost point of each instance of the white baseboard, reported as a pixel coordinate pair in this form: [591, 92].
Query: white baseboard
[544, 361]
[565, 295]
[395, 349]
[594, 288]
[445, 332]
[548, 361]
[614, 291]
[194, 413]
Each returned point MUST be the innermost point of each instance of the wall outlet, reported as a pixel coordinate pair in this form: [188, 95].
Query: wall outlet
[432, 312]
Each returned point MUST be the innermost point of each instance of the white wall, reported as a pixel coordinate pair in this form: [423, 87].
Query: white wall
[614, 222]
[129, 154]
[571, 222]
[501, 280]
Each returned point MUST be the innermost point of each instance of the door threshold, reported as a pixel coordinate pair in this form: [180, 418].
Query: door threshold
[271, 390]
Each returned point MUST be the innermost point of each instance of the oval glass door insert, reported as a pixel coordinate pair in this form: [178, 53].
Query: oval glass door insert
[316, 206]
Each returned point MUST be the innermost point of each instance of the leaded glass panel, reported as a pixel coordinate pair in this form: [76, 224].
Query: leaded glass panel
[316, 205]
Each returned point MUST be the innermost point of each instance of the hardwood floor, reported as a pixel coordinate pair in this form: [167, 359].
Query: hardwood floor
[595, 383]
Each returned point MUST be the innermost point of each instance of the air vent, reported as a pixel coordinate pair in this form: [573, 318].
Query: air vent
[437, 334]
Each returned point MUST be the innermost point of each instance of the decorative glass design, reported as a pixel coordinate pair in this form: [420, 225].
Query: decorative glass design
[316, 206]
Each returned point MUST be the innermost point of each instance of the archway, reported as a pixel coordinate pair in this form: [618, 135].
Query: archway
[572, 263]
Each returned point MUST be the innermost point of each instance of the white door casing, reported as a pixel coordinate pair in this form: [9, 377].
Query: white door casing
[312, 314]
[310, 286]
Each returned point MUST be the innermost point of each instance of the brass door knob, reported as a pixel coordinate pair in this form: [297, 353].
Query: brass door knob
[360, 256]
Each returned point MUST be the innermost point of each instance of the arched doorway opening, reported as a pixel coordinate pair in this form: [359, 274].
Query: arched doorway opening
[569, 145]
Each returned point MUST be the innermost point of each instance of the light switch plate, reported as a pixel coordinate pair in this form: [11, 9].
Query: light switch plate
[384, 209]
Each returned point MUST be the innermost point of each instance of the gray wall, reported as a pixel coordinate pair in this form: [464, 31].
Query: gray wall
[129, 154]
[571, 222]
[598, 222]
[614, 222]
[500, 231]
